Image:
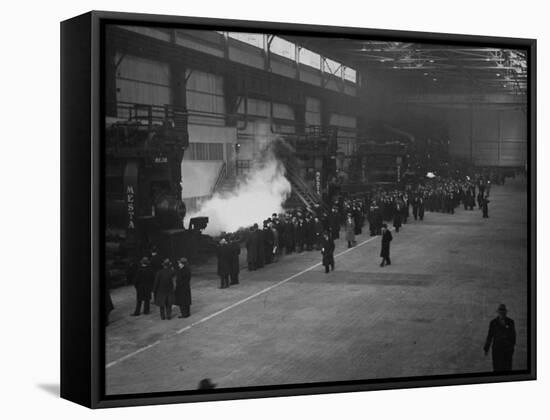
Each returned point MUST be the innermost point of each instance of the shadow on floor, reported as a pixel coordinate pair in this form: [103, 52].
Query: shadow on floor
[52, 389]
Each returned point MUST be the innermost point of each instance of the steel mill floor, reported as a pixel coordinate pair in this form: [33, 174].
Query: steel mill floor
[426, 314]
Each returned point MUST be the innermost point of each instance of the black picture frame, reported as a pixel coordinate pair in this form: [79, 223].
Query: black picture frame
[82, 214]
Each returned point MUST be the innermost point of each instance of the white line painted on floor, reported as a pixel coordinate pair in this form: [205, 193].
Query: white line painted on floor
[114, 362]
[240, 302]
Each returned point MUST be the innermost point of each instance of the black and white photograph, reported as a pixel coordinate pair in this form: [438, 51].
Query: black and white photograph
[275, 210]
[285, 209]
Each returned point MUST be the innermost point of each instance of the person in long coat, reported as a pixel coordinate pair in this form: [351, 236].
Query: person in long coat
[163, 289]
[502, 338]
[144, 277]
[378, 219]
[300, 235]
[224, 263]
[327, 251]
[276, 251]
[405, 210]
[350, 230]
[385, 252]
[156, 260]
[334, 221]
[371, 219]
[252, 249]
[397, 214]
[421, 208]
[358, 220]
[260, 247]
[415, 208]
[318, 233]
[267, 234]
[485, 207]
[290, 236]
[183, 288]
[235, 263]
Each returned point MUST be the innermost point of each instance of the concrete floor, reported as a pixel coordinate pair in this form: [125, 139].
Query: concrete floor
[426, 314]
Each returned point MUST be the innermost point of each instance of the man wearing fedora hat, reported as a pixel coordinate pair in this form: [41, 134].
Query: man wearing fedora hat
[386, 239]
[502, 337]
[183, 287]
[163, 289]
[224, 263]
[143, 282]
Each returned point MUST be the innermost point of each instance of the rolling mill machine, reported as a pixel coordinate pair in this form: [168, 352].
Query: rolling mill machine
[144, 147]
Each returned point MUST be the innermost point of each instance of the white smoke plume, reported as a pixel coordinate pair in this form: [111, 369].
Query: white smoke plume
[253, 200]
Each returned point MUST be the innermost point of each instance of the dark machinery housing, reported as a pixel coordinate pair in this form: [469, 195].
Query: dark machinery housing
[144, 209]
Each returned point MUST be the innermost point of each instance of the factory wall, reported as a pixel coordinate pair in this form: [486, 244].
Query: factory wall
[488, 135]
[143, 81]
[215, 143]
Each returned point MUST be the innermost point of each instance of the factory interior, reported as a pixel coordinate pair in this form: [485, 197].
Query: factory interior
[211, 132]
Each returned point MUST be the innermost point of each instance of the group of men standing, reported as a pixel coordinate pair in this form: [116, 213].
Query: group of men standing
[168, 283]
[228, 251]
[282, 234]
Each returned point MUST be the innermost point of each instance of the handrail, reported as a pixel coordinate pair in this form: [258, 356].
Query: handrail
[302, 184]
[132, 111]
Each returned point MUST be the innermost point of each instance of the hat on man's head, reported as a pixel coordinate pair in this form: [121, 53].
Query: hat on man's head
[183, 260]
[502, 308]
[144, 261]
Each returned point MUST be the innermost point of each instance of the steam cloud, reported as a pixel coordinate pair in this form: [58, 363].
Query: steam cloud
[254, 199]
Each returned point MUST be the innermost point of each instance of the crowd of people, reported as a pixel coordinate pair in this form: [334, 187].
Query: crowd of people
[305, 230]
[302, 230]
[165, 283]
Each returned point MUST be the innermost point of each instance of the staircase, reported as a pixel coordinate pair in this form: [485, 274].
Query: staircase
[301, 195]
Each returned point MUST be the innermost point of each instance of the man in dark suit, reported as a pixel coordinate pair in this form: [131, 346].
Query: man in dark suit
[397, 216]
[260, 246]
[163, 289]
[224, 263]
[502, 338]
[485, 207]
[235, 245]
[327, 251]
[183, 288]
[268, 240]
[144, 278]
[252, 249]
[386, 239]
[421, 208]
[415, 207]
[156, 260]
[334, 223]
